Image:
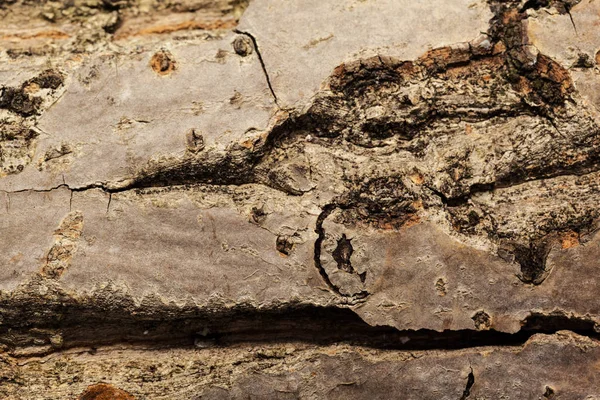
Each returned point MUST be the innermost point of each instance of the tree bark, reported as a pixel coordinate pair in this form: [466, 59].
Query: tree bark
[309, 199]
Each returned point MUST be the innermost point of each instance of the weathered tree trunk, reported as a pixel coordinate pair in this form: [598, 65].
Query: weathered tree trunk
[314, 199]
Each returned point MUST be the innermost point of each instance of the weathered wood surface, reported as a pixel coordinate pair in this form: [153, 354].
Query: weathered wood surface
[354, 185]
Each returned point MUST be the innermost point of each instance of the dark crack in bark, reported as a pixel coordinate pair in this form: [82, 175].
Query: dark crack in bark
[51, 322]
[470, 383]
[262, 62]
[320, 231]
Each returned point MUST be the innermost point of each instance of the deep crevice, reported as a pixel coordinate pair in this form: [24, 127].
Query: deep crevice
[118, 323]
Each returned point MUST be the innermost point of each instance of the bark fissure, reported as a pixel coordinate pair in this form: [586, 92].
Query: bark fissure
[225, 328]
[262, 63]
[470, 383]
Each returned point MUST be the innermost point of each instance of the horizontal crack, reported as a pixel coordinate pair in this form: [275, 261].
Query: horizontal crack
[92, 326]
[102, 186]
[110, 188]
[490, 187]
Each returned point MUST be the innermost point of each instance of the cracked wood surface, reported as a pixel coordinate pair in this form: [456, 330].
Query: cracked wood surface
[295, 370]
[172, 170]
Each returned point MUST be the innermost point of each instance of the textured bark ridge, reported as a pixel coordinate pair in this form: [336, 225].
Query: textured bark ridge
[233, 199]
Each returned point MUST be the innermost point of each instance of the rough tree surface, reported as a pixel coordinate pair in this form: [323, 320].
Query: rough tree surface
[308, 199]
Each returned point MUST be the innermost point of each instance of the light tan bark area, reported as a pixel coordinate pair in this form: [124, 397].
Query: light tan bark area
[300, 199]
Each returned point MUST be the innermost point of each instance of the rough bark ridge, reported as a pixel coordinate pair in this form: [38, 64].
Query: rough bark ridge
[232, 199]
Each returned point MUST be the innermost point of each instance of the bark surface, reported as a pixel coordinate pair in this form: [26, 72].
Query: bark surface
[312, 199]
